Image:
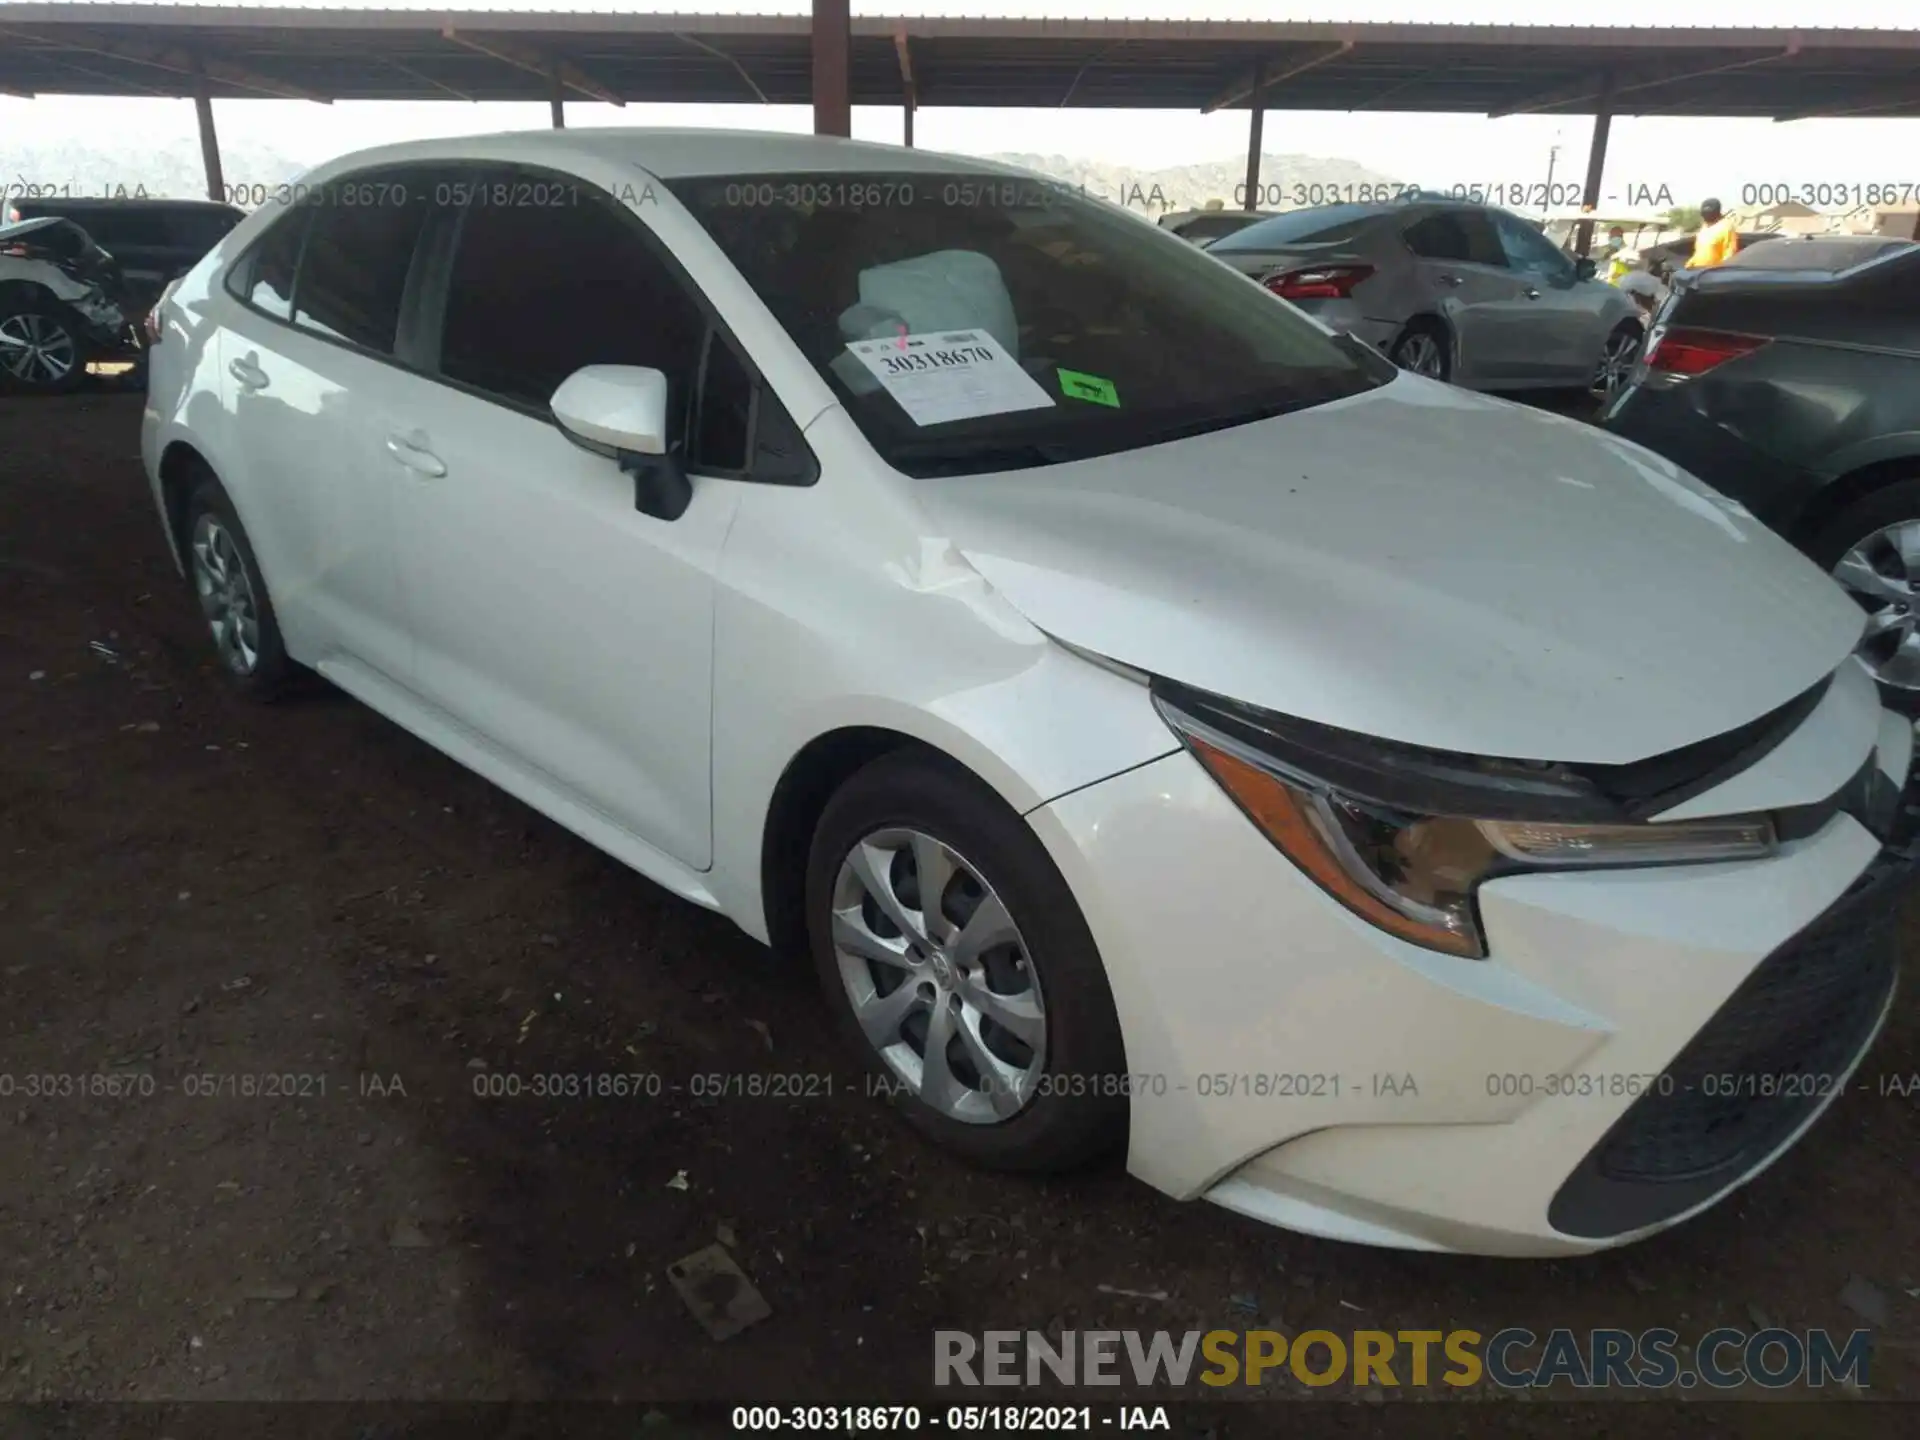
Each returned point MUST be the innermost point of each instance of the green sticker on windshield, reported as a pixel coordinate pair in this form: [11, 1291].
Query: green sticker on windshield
[1089, 387]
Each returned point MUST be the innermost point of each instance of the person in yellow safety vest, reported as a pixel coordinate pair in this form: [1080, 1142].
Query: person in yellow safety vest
[1717, 241]
[1614, 253]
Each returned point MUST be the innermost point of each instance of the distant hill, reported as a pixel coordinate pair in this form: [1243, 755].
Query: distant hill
[1286, 181]
[164, 170]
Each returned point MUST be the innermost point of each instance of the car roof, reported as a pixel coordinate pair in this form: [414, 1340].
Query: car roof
[674, 154]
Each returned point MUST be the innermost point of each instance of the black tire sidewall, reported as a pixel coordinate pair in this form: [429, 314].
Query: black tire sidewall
[1059, 1129]
[1886, 505]
[273, 669]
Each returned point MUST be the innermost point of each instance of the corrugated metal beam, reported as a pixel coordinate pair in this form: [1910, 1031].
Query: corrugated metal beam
[524, 57]
[714, 50]
[1265, 80]
[1898, 98]
[180, 62]
[1591, 87]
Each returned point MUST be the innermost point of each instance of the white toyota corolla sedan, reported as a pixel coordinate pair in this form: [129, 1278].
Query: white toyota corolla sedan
[1389, 812]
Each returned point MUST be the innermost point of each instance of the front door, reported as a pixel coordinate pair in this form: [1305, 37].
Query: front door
[550, 616]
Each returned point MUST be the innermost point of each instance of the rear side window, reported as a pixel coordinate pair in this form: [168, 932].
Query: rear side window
[264, 278]
[353, 272]
[1458, 235]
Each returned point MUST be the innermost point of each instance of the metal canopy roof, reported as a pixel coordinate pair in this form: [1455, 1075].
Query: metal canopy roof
[104, 49]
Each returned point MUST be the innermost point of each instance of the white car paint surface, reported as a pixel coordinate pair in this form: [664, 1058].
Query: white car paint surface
[1408, 564]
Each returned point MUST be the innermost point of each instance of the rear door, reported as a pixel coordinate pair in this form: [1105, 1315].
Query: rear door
[304, 356]
[1463, 276]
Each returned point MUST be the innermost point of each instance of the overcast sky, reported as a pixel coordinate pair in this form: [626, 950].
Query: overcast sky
[1690, 158]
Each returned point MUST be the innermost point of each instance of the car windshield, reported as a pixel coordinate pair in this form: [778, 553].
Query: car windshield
[1320, 225]
[973, 323]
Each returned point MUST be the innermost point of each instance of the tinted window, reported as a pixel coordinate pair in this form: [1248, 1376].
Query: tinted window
[354, 270]
[725, 409]
[1034, 327]
[264, 279]
[1459, 235]
[198, 231]
[536, 292]
[1318, 225]
[127, 229]
[1526, 249]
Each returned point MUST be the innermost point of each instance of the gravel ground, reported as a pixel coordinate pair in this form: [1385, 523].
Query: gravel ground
[195, 888]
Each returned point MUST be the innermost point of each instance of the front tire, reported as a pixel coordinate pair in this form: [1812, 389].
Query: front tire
[40, 347]
[232, 596]
[1873, 549]
[986, 1018]
[1617, 359]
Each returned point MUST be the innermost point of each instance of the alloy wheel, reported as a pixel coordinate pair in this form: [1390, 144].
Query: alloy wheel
[36, 349]
[938, 976]
[1420, 353]
[1616, 363]
[1880, 572]
[226, 595]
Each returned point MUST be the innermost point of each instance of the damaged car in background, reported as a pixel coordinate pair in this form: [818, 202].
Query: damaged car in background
[62, 306]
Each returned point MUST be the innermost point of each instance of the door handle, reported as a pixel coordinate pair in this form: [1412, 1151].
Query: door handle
[412, 452]
[1450, 280]
[247, 371]
[1531, 293]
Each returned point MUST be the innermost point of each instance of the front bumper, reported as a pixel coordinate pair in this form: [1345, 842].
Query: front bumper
[1295, 1064]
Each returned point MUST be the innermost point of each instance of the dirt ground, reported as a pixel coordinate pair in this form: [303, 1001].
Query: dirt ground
[192, 888]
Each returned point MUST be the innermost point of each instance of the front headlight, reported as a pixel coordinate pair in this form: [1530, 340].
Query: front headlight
[1403, 836]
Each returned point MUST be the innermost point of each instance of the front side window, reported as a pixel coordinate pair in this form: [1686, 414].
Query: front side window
[982, 322]
[353, 272]
[537, 292]
[1528, 251]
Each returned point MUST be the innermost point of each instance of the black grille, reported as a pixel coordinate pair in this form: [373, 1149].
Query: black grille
[1768, 1058]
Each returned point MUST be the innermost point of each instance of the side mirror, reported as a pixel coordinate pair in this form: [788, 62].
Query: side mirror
[1585, 268]
[621, 411]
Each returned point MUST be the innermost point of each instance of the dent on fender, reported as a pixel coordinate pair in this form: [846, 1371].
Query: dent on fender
[938, 568]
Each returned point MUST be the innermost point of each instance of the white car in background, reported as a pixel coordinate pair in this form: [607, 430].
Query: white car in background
[1386, 811]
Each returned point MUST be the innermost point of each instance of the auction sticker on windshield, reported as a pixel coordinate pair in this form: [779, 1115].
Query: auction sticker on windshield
[950, 375]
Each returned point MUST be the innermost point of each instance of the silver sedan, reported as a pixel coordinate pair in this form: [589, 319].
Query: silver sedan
[1456, 291]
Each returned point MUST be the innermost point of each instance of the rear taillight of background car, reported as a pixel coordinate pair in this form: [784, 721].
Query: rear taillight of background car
[151, 324]
[1321, 282]
[1684, 352]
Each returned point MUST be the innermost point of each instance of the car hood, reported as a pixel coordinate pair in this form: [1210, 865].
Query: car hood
[1422, 564]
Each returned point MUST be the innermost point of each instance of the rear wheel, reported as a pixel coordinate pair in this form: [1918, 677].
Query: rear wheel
[233, 598]
[959, 967]
[40, 349]
[1423, 349]
[1873, 549]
